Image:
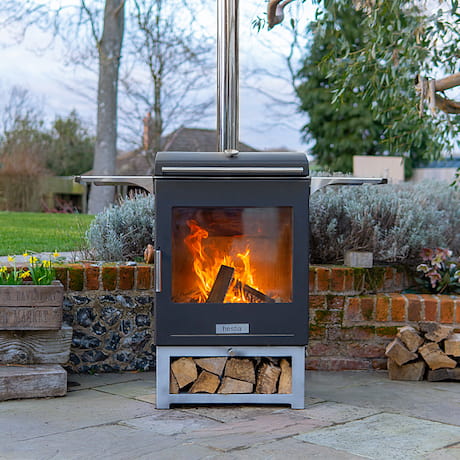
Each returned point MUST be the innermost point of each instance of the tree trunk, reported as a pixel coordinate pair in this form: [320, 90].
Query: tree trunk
[109, 49]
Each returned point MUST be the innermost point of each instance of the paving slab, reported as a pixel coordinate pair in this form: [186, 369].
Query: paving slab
[84, 381]
[386, 437]
[22, 420]
[449, 453]
[289, 449]
[171, 423]
[242, 434]
[437, 402]
[332, 412]
[130, 389]
[106, 442]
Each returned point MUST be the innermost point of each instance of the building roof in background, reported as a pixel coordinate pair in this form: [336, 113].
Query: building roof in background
[196, 140]
[181, 140]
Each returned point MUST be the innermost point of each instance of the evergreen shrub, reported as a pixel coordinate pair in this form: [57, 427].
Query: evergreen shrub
[122, 231]
[393, 221]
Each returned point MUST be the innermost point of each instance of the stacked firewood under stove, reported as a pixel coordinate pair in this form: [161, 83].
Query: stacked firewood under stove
[231, 375]
[431, 350]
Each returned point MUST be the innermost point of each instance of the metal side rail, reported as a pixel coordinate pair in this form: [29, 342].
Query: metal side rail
[146, 182]
[319, 182]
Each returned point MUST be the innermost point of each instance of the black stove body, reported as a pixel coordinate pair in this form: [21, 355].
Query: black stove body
[231, 249]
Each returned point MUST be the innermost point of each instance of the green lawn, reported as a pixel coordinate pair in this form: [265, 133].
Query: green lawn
[40, 232]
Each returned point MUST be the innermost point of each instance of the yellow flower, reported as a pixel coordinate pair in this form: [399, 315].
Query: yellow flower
[47, 263]
[24, 274]
[26, 254]
[56, 254]
[33, 259]
[3, 269]
[10, 258]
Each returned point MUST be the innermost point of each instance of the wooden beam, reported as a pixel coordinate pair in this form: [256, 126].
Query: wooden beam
[35, 347]
[17, 382]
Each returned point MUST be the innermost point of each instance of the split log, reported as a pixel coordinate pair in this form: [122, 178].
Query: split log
[253, 294]
[184, 369]
[241, 369]
[435, 357]
[398, 352]
[213, 365]
[256, 295]
[173, 385]
[35, 347]
[234, 386]
[267, 378]
[443, 374]
[205, 383]
[285, 382]
[221, 285]
[40, 381]
[452, 345]
[435, 331]
[410, 371]
[410, 337]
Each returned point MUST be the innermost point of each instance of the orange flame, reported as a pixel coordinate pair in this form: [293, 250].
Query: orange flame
[206, 264]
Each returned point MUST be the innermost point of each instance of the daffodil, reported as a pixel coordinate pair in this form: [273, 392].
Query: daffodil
[26, 254]
[25, 274]
[10, 258]
[33, 259]
[47, 263]
[56, 254]
[3, 269]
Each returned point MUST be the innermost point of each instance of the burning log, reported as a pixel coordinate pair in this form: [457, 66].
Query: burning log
[253, 294]
[221, 285]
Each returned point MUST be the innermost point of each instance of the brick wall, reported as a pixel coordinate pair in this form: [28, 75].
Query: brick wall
[354, 313]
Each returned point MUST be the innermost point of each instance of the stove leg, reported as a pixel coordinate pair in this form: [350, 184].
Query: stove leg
[162, 377]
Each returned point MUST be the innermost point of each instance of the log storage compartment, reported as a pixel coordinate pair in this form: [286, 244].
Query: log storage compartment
[200, 375]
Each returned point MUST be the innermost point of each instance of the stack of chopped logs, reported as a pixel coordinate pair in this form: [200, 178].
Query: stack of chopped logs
[231, 375]
[431, 350]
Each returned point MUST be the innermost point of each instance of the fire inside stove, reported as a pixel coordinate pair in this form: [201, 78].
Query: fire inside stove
[232, 255]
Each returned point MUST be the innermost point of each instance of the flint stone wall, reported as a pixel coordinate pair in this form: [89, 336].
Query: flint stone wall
[111, 332]
[110, 308]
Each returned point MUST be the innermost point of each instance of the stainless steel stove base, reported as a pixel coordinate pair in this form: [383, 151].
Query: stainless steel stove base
[165, 399]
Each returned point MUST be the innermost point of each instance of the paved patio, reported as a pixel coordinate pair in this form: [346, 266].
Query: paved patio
[348, 415]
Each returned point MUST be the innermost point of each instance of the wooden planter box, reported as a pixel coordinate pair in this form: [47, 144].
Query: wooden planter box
[31, 307]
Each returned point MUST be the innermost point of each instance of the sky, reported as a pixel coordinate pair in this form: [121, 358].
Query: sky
[263, 123]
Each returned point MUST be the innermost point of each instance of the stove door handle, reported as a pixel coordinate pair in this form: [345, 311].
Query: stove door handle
[157, 261]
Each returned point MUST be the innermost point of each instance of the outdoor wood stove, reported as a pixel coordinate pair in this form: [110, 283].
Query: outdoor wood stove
[231, 260]
[232, 244]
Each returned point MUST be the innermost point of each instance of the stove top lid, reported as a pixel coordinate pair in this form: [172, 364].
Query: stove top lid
[277, 164]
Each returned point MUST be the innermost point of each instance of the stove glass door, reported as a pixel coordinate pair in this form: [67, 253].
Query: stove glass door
[232, 254]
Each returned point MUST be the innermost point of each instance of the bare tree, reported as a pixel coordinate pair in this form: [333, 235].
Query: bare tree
[109, 53]
[169, 68]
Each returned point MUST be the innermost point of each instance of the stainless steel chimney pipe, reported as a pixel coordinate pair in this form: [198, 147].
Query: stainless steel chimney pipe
[227, 77]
